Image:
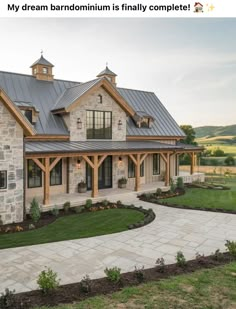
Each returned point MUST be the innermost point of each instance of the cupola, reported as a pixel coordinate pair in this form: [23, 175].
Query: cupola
[42, 69]
[107, 73]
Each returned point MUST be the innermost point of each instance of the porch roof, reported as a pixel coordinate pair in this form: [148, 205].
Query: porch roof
[101, 146]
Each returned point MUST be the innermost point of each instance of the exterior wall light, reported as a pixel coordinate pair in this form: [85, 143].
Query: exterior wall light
[119, 125]
[120, 159]
[79, 124]
[78, 164]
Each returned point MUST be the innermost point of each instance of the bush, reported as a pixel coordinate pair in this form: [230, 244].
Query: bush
[66, 207]
[113, 274]
[158, 192]
[180, 259]
[85, 284]
[119, 203]
[7, 299]
[217, 255]
[1, 222]
[55, 211]
[139, 273]
[105, 203]
[48, 281]
[231, 246]
[35, 212]
[160, 262]
[88, 203]
[218, 152]
[78, 209]
[31, 226]
[180, 183]
[229, 161]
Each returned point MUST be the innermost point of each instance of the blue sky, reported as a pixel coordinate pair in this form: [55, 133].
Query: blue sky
[189, 63]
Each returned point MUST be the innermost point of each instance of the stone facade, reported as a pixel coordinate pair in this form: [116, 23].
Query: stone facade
[11, 160]
[91, 102]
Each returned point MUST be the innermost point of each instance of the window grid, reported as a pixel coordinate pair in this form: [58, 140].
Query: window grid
[56, 174]
[156, 164]
[99, 125]
[131, 168]
[34, 175]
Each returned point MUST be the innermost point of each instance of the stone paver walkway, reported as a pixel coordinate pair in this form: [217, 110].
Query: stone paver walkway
[173, 229]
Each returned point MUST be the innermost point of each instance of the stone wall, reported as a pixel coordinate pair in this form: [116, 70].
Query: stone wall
[11, 160]
[90, 102]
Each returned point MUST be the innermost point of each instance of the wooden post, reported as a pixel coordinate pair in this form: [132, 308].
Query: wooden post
[167, 182]
[46, 181]
[137, 173]
[95, 177]
[192, 156]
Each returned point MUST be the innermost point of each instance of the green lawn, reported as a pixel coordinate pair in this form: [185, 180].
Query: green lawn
[206, 289]
[225, 199]
[75, 226]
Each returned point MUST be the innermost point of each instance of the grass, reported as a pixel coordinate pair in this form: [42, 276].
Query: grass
[75, 226]
[205, 289]
[224, 199]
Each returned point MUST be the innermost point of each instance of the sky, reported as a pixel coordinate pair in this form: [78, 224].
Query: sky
[189, 63]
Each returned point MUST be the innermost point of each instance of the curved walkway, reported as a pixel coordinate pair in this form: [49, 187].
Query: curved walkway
[173, 229]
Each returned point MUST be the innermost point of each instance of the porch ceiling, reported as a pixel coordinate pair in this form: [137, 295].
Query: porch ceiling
[99, 147]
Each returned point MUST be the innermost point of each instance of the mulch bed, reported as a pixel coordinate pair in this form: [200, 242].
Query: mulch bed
[72, 292]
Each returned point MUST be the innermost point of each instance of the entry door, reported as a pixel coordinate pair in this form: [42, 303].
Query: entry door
[104, 174]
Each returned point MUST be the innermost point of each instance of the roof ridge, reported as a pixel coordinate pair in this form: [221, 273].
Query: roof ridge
[81, 84]
[136, 90]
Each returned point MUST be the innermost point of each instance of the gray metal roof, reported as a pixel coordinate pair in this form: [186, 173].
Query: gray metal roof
[46, 96]
[74, 93]
[42, 61]
[107, 71]
[95, 146]
[164, 124]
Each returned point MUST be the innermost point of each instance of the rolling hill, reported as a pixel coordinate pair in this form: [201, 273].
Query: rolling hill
[215, 131]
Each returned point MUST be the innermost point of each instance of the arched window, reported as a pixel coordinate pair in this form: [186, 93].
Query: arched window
[100, 98]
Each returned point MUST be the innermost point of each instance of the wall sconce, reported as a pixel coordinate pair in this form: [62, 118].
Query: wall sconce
[78, 164]
[79, 124]
[120, 159]
[119, 125]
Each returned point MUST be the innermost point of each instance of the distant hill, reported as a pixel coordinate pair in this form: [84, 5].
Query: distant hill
[213, 131]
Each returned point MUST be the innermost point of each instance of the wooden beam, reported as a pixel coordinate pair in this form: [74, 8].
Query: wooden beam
[40, 164]
[86, 158]
[95, 177]
[164, 157]
[102, 159]
[167, 182]
[54, 163]
[192, 166]
[133, 158]
[143, 157]
[137, 174]
[46, 182]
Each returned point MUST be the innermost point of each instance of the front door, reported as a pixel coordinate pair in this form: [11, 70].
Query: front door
[104, 174]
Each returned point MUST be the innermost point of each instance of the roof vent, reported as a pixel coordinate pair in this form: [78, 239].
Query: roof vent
[143, 120]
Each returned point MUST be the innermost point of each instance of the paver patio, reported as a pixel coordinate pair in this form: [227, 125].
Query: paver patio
[173, 229]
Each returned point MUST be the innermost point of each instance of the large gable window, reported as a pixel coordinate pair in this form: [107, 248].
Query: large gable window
[56, 174]
[3, 180]
[99, 125]
[34, 175]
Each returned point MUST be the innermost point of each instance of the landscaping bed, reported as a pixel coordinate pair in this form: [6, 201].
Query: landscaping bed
[73, 292]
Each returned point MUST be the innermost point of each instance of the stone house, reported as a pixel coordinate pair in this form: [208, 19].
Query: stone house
[57, 133]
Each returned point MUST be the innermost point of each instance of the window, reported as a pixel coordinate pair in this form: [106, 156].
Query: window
[3, 179]
[100, 98]
[99, 125]
[156, 164]
[45, 70]
[28, 115]
[35, 71]
[56, 174]
[34, 175]
[131, 168]
[142, 169]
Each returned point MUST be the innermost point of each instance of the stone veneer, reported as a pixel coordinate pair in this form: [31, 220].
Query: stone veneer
[91, 103]
[11, 160]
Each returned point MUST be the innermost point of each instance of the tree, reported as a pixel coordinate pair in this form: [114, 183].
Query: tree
[190, 134]
[229, 161]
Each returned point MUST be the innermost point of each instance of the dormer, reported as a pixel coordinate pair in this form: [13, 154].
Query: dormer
[143, 120]
[107, 73]
[42, 69]
[30, 112]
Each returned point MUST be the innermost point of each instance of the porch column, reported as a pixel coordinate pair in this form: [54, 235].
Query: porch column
[137, 173]
[95, 177]
[166, 158]
[46, 181]
[192, 167]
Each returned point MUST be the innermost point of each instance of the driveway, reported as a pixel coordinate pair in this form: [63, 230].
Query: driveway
[173, 229]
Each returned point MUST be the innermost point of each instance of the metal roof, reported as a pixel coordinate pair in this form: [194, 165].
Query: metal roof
[72, 94]
[46, 96]
[107, 71]
[42, 61]
[95, 146]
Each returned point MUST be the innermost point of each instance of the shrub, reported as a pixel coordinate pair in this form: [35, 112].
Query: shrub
[85, 284]
[218, 152]
[66, 207]
[231, 246]
[31, 226]
[7, 299]
[180, 259]
[105, 203]
[119, 203]
[1, 222]
[229, 161]
[18, 228]
[158, 192]
[55, 211]
[113, 274]
[35, 212]
[48, 281]
[200, 258]
[217, 255]
[160, 262]
[139, 273]
[78, 209]
[172, 186]
[180, 183]
[88, 203]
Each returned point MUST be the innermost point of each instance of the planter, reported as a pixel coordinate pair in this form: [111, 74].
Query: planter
[122, 185]
[82, 189]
